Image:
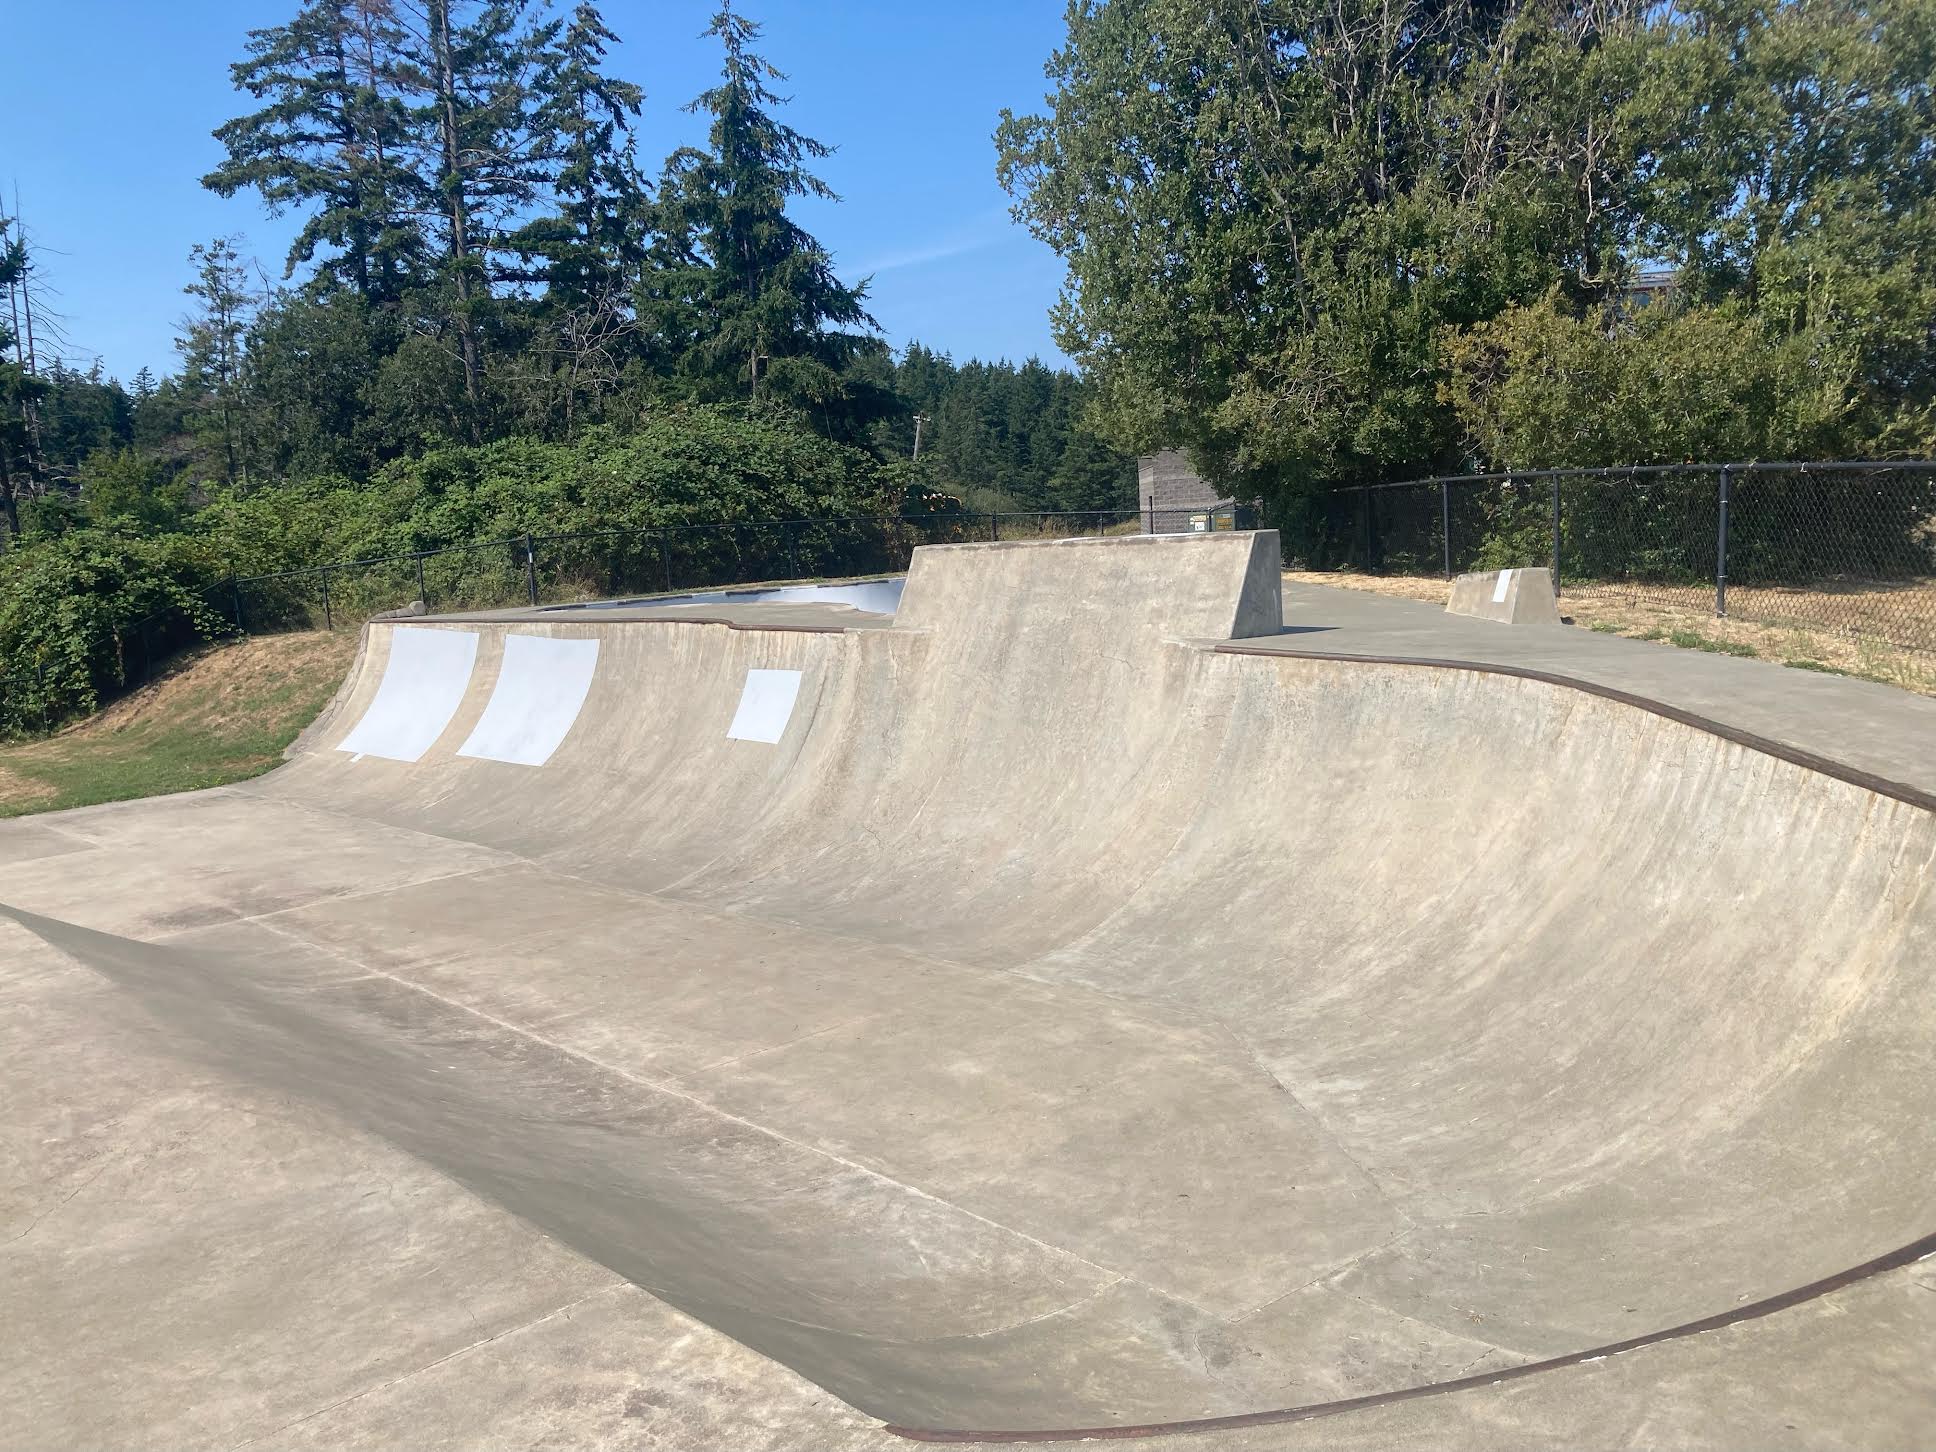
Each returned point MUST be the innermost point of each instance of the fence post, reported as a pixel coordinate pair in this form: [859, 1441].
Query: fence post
[1445, 524]
[235, 589]
[1721, 545]
[531, 567]
[1150, 528]
[422, 593]
[665, 557]
[793, 550]
[994, 525]
[329, 618]
[1556, 534]
[1364, 528]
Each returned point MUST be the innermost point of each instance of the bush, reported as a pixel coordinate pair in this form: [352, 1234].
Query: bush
[84, 614]
[71, 600]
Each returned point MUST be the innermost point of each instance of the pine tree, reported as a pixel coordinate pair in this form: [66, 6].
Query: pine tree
[211, 342]
[334, 134]
[587, 250]
[472, 65]
[594, 242]
[766, 315]
[21, 462]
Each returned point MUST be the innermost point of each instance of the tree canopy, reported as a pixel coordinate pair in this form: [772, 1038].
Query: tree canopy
[1333, 242]
[482, 257]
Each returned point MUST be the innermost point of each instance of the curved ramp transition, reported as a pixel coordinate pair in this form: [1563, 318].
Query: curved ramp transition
[1028, 1016]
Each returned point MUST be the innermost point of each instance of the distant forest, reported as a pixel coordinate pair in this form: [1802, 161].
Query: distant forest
[484, 260]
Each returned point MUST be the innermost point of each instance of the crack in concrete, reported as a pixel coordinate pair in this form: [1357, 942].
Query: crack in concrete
[431, 1365]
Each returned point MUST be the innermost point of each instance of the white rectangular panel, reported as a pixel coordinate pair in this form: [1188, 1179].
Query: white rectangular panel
[1499, 590]
[540, 689]
[765, 706]
[423, 684]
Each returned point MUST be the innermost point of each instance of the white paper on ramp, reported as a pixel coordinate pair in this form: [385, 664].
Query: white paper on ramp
[765, 706]
[540, 689]
[423, 684]
[1499, 590]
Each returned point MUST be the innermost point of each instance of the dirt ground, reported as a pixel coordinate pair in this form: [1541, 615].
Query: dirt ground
[1691, 624]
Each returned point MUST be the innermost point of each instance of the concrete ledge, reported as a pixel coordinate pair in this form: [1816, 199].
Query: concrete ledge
[1223, 586]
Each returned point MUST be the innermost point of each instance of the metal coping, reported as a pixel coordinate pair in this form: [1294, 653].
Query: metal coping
[536, 616]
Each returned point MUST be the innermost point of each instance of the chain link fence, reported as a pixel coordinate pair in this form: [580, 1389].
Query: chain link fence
[1844, 548]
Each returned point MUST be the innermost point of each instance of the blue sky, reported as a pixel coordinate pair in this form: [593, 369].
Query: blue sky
[107, 128]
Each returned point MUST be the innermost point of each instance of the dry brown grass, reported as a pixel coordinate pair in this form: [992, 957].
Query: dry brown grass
[220, 714]
[1690, 623]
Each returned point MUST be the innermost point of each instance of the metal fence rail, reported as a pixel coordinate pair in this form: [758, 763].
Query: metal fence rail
[1843, 547]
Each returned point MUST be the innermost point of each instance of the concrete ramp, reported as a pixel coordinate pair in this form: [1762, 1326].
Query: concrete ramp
[1030, 1017]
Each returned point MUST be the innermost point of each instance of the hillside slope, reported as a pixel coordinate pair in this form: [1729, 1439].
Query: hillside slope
[224, 714]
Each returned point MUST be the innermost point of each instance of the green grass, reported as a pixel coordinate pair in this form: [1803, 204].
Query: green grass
[223, 716]
[1694, 640]
[1803, 664]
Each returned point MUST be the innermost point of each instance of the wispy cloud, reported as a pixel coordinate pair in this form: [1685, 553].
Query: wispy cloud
[988, 230]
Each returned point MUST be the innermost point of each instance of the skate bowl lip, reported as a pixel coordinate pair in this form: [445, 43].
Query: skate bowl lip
[864, 622]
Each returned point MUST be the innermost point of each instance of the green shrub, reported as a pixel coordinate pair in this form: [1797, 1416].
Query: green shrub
[72, 599]
[83, 614]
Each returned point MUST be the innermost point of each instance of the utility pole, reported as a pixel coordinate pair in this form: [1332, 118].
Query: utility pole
[920, 419]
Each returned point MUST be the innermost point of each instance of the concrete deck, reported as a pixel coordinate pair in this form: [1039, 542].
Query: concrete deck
[1861, 725]
[1062, 1025]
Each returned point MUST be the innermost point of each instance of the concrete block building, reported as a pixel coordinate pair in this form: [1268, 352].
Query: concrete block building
[1175, 499]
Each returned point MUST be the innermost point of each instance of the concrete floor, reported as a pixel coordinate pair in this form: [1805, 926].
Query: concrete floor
[1064, 1025]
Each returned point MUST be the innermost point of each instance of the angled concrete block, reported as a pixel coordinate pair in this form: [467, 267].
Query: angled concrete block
[1512, 597]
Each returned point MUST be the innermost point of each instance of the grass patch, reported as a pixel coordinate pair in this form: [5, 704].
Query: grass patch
[1819, 665]
[1694, 640]
[1782, 632]
[222, 715]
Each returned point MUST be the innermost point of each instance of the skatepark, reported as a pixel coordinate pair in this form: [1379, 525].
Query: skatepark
[1096, 992]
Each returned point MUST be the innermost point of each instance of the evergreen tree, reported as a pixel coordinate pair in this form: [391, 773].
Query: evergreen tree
[472, 67]
[594, 240]
[22, 472]
[765, 314]
[335, 134]
[588, 248]
[211, 344]
[81, 412]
